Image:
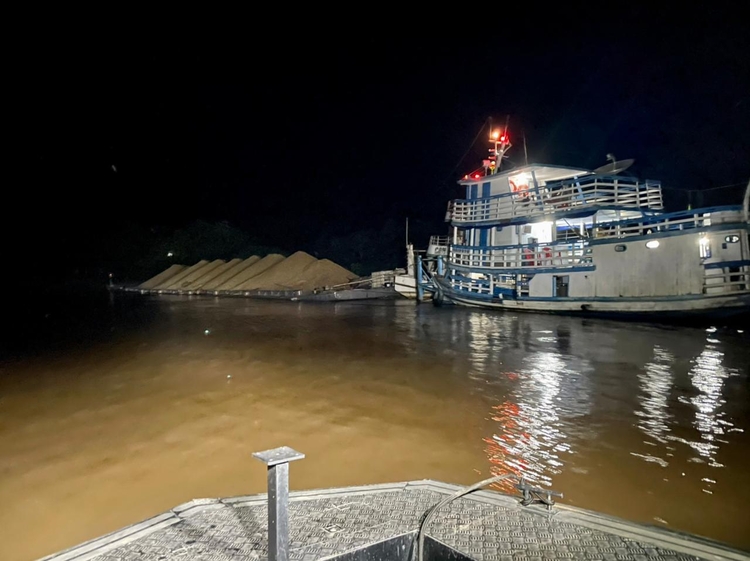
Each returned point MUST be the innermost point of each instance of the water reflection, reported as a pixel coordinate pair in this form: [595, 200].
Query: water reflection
[654, 416]
[541, 396]
[708, 376]
[531, 440]
[537, 431]
[656, 382]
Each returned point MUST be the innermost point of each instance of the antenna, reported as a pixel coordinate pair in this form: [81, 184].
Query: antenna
[501, 145]
[615, 167]
[746, 203]
[525, 152]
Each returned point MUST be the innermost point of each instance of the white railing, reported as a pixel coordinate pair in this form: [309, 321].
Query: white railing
[716, 281]
[487, 286]
[438, 245]
[558, 199]
[469, 285]
[512, 257]
[676, 221]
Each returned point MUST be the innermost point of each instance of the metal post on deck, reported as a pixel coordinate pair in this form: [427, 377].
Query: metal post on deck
[277, 460]
[418, 280]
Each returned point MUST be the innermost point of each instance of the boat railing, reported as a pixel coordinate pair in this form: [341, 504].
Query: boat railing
[726, 280]
[560, 199]
[520, 256]
[684, 220]
[469, 285]
[438, 245]
[516, 283]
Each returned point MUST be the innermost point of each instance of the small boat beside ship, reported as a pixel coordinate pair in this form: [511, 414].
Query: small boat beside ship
[559, 239]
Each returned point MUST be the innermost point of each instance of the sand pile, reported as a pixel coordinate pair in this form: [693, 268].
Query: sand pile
[285, 275]
[324, 273]
[163, 276]
[253, 270]
[211, 275]
[188, 283]
[300, 271]
[230, 271]
[174, 282]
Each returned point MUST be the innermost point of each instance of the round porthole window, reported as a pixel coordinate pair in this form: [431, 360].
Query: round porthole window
[652, 244]
[619, 248]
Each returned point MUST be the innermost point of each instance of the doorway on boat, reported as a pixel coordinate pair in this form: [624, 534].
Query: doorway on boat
[560, 286]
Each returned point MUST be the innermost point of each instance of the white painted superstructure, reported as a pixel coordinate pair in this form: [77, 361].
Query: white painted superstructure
[562, 239]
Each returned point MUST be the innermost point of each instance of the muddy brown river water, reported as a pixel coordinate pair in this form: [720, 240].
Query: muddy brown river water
[149, 402]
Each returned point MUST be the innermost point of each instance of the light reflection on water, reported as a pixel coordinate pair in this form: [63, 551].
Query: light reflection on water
[633, 420]
[556, 395]
[530, 441]
[656, 384]
[708, 377]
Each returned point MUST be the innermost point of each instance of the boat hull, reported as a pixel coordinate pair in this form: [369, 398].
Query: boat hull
[406, 286]
[347, 295]
[732, 305]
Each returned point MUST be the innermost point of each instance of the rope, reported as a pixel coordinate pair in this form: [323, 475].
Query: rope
[427, 516]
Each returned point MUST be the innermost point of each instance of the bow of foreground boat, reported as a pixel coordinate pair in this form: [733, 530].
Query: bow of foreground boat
[414, 520]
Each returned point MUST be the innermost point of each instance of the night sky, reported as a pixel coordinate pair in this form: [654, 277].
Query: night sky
[292, 136]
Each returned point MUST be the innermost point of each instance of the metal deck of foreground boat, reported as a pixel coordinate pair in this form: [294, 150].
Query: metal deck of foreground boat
[381, 522]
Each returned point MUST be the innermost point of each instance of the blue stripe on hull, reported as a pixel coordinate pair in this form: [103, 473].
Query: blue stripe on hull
[739, 311]
[722, 264]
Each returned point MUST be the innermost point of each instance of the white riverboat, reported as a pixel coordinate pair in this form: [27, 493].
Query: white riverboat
[548, 238]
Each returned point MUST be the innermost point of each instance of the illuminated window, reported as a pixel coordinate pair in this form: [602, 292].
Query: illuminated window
[732, 238]
[705, 247]
[652, 244]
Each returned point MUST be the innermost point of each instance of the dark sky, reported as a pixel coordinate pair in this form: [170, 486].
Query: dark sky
[306, 131]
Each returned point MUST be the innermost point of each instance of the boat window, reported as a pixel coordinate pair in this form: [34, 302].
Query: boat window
[652, 244]
[732, 238]
[620, 248]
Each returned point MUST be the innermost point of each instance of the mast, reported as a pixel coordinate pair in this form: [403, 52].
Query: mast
[501, 142]
[746, 203]
[525, 152]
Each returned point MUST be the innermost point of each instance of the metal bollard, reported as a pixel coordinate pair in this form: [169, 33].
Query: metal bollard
[277, 461]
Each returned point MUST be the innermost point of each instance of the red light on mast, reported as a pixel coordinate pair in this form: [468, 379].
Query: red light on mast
[504, 139]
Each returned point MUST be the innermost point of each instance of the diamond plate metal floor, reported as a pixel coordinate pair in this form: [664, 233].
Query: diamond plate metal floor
[483, 526]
